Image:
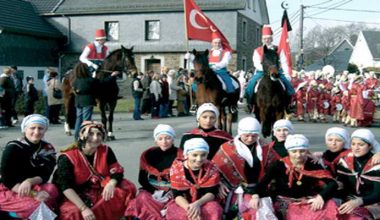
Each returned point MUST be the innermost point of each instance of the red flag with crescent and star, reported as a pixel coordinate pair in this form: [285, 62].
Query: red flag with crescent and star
[283, 47]
[199, 26]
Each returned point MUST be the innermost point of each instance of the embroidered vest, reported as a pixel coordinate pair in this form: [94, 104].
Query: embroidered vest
[216, 59]
[94, 55]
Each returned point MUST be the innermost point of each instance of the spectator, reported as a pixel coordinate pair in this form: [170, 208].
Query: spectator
[164, 100]
[54, 104]
[30, 96]
[146, 105]
[173, 88]
[9, 95]
[17, 79]
[137, 92]
[155, 94]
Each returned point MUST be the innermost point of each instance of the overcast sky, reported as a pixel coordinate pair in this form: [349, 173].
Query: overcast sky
[367, 11]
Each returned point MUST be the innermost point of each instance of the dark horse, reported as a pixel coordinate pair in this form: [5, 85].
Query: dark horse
[209, 89]
[121, 60]
[271, 98]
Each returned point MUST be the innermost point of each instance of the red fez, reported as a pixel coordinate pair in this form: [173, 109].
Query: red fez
[215, 35]
[267, 30]
[100, 34]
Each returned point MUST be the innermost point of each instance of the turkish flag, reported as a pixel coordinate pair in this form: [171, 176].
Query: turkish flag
[199, 26]
[283, 47]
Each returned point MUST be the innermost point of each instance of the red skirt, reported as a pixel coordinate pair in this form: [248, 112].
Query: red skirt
[24, 206]
[210, 211]
[112, 209]
[298, 210]
[145, 207]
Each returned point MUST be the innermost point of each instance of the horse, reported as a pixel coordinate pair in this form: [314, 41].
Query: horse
[271, 99]
[121, 60]
[210, 90]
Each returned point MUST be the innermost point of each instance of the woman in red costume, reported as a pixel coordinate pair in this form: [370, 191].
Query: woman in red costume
[241, 164]
[91, 179]
[26, 166]
[302, 187]
[154, 178]
[360, 178]
[195, 182]
[356, 101]
[207, 115]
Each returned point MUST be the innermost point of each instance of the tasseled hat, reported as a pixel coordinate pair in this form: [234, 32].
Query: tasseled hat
[215, 35]
[100, 34]
[267, 31]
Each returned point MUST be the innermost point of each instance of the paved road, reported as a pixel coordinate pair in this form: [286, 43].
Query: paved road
[133, 137]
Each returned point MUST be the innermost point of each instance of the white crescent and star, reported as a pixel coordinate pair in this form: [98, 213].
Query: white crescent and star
[193, 22]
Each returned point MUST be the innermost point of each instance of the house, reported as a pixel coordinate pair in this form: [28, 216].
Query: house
[367, 50]
[27, 40]
[338, 58]
[155, 28]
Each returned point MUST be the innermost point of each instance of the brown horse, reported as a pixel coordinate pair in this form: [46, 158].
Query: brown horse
[209, 89]
[270, 99]
[121, 60]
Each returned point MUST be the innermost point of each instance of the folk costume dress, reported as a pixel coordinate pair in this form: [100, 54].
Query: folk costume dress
[240, 165]
[154, 178]
[275, 151]
[22, 160]
[293, 186]
[361, 179]
[214, 138]
[87, 175]
[192, 185]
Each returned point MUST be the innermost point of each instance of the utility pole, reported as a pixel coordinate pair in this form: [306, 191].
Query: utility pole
[300, 52]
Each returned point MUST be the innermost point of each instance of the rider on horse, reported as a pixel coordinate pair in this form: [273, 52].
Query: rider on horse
[95, 52]
[267, 40]
[218, 61]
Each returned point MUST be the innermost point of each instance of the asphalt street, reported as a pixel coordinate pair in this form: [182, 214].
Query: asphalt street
[133, 137]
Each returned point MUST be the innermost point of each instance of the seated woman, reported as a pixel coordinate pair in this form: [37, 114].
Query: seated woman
[207, 115]
[302, 187]
[338, 145]
[360, 178]
[276, 149]
[240, 163]
[154, 178]
[195, 182]
[91, 179]
[26, 166]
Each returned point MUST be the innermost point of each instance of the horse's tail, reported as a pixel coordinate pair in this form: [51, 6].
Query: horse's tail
[69, 99]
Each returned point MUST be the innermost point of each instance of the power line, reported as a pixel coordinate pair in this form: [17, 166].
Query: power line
[333, 6]
[328, 19]
[320, 3]
[347, 9]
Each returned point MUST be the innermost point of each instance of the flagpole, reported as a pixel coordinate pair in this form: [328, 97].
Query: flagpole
[187, 66]
[184, 19]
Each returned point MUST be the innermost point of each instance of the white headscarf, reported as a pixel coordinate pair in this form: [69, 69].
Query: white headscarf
[163, 129]
[207, 107]
[248, 125]
[34, 119]
[367, 136]
[340, 132]
[195, 144]
[296, 142]
[283, 123]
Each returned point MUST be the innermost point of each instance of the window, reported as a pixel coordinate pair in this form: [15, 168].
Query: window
[244, 32]
[112, 30]
[253, 5]
[152, 30]
[249, 4]
[258, 39]
[40, 74]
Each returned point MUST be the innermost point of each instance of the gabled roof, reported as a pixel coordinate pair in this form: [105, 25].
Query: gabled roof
[339, 59]
[44, 6]
[373, 41]
[18, 16]
[72, 7]
[344, 44]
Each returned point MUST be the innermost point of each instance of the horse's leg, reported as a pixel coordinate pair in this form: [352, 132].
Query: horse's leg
[229, 122]
[102, 107]
[112, 105]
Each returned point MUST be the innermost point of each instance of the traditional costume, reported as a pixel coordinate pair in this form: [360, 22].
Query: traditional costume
[361, 179]
[293, 186]
[213, 136]
[155, 194]
[94, 53]
[194, 184]
[356, 102]
[22, 159]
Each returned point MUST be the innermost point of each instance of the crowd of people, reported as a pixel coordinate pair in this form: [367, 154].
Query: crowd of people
[210, 175]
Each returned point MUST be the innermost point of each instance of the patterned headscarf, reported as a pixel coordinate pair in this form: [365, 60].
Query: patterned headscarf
[367, 136]
[207, 107]
[340, 132]
[34, 119]
[283, 123]
[163, 129]
[195, 144]
[296, 142]
[86, 127]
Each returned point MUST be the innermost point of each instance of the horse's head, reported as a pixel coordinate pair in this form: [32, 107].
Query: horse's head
[200, 61]
[129, 65]
[270, 62]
